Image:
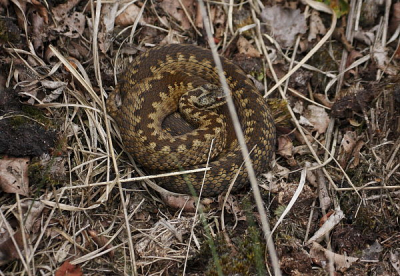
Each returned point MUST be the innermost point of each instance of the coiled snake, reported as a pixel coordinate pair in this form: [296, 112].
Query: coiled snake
[167, 129]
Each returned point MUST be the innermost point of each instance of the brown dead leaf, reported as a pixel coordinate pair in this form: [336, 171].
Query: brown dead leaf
[245, 47]
[101, 241]
[67, 269]
[285, 146]
[348, 141]
[232, 206]
[128, 16]
[41, 10]
[8, 251]
[14, 175]
[38, 31]
[395, 19]
[20, 11]
[174, 8]
[285, 149]
[108, 14]
[185, 202]
[350, 147]
[31, 210]
[218, 19]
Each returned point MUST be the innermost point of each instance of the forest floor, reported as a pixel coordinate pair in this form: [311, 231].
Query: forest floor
[70, 200]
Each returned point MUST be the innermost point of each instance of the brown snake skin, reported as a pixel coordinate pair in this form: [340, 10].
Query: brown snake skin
[145, 104]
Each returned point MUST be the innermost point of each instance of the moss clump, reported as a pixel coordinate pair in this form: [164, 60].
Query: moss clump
[247, 258]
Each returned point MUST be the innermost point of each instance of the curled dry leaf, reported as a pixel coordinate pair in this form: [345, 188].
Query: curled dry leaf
[218, 20]
[380, 55]
[350, 147]
[164, 239]
[128, 16]
[232, 206]
[395, 261]
[108, 14]
[57, 88]
[318, 118]
[332, 221]
[39, 25]
[323, 256]
[285, 146]
[41, 10]
[316, 26]
[348, 142]
[14, 175]
[101, 241]
[185, 202]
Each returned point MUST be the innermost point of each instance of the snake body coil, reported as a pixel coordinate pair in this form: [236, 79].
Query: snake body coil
[148, 104]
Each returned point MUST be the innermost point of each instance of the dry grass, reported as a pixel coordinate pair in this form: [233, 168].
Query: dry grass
[113, 229]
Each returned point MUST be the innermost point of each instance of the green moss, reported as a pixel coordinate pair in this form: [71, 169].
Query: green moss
[37, 114]
[246, 258]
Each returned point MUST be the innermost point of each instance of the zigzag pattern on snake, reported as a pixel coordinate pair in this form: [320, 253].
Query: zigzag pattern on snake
[146, 107]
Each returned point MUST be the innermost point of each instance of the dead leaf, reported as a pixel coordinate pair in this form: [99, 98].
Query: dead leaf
[316, 26]
[61, 11]
[101, 241]
[331, 222]
[57, 88]
[14, 175]
[284, 24]
[372, 253]
[8, 251]
[380, 55]
[318, 118]
[348, 141]
[73, 25]
[175, 9]
[41, 10]
[322, 256]
[108, 14]
[185, 202]
[285, 146]
[232, 206]
[67, 269]
[394, 260]
[128, 16]
[245, 47]
[395, 19]
[31, 210]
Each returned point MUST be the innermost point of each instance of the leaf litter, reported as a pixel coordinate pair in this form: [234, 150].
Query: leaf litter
[341, 115]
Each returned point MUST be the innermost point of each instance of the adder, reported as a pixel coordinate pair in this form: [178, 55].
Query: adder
[169, 108]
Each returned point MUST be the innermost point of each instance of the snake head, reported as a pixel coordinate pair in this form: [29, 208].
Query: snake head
[212, 96]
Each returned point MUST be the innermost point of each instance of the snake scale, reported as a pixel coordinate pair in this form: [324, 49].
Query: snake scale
[158, 107]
